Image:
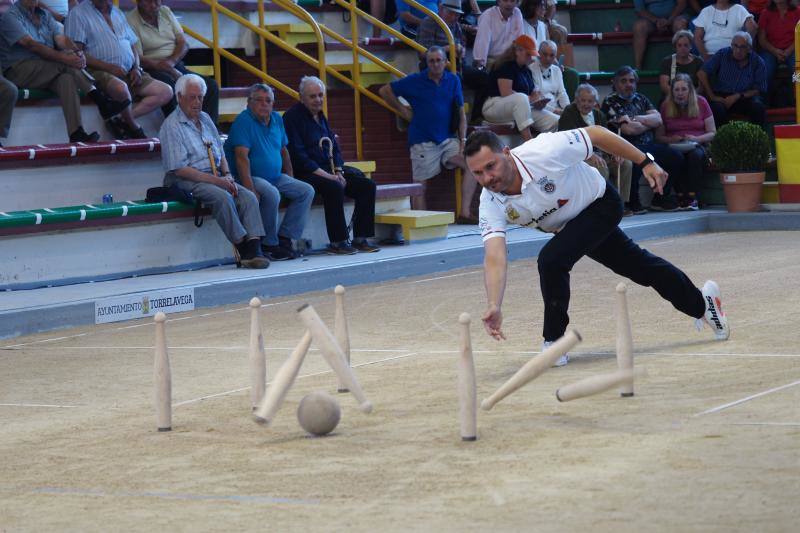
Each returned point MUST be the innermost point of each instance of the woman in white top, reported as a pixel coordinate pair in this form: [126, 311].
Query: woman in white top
[548, 78]
[533, 12]
[716, 25]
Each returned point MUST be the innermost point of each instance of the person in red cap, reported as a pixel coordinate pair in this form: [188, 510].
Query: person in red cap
[512, 93]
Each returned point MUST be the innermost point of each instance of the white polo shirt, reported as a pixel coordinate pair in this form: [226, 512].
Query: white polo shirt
[556, 185]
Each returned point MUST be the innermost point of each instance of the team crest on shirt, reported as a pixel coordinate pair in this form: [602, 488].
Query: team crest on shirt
[512, 213]
[547, 185]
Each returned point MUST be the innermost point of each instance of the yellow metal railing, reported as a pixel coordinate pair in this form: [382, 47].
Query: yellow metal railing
[319, 63]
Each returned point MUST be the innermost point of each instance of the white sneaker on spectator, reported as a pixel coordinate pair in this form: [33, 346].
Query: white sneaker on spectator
[562, 361]
[714, 315]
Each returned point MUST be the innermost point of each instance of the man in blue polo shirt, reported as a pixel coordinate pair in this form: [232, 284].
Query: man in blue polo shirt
[739, 79]
[257, 147]
[435, 97]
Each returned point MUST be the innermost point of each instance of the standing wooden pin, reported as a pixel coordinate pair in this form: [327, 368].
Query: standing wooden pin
[258, 359]
[282, 382]
[340, 330]
[624, 339]
[162, 376]
[467, 389]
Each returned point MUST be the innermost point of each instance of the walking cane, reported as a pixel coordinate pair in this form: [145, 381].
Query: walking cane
[236, 256]
[322, 142]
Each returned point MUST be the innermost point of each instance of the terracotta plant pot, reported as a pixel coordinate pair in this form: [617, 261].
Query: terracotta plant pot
[742, 190]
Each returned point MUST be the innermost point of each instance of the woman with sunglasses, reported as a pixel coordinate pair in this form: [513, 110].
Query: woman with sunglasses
[716, 25]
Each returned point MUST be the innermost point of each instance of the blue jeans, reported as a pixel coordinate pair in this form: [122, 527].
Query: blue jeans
[300, 196]
[771, 63]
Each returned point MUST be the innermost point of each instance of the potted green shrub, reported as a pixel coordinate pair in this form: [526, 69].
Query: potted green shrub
[740, 152]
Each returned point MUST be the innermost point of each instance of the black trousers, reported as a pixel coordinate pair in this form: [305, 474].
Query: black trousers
[210, 102]
[361, 189]
[753, 108]
[595, 233]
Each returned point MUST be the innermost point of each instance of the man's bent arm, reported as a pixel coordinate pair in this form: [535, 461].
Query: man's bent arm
[615, 145]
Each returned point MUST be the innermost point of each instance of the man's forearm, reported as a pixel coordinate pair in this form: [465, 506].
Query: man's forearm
[494, 271]
[181, 49]
[613, 144]
[192, 174]
[243, 170]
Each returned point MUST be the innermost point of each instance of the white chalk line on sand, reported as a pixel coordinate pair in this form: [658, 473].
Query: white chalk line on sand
[239, 498]
[761, 423]
[234, 391]
[747, 399]
[428, 352]
[38, 405]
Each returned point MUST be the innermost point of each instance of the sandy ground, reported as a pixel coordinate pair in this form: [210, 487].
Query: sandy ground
[80, 451]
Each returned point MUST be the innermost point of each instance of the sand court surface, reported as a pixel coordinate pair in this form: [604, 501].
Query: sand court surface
[710, 441]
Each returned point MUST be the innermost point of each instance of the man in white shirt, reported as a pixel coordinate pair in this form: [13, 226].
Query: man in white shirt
[498, 26]
[545, 184]
[549, 81]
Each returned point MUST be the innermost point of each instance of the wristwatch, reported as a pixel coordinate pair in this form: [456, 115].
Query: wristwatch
[648, 159]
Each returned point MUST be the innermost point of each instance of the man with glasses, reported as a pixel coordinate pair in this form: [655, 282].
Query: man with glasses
[739, 79]
[256, 146]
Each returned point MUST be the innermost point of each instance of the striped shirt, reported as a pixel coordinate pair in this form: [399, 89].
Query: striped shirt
[183, 144]
[729, 78]
[86, 25]
[16, 24]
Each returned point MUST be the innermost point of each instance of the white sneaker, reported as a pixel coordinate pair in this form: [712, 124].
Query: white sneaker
[714, 316]
[562, 361]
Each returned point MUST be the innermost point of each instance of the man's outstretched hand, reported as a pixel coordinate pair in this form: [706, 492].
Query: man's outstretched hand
[492, 321]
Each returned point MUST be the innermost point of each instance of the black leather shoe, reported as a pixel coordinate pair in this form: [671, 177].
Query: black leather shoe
[363, 246]
[117, 128]
[80, 136]
[250, 254]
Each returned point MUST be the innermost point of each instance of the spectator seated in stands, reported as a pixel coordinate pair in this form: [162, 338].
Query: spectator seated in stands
[317, 160]
[637, 120]
[162, 47]
[37, 55]
[716, 25]
[410, 17]
[549, 80]
[583, 113]
[430, 34]
[435, 97]
[58, 8]
[539, 21]
[256, 145]
[734, 80]
[776, 28]
[688, 126]
[194, 161]
[655, 16]
[8, 98]
[512, 94]
[102, 33]
[682, 61]
[498, 26]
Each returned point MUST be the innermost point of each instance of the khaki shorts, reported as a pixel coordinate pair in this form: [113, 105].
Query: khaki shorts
[427, 159]
[103, 78]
